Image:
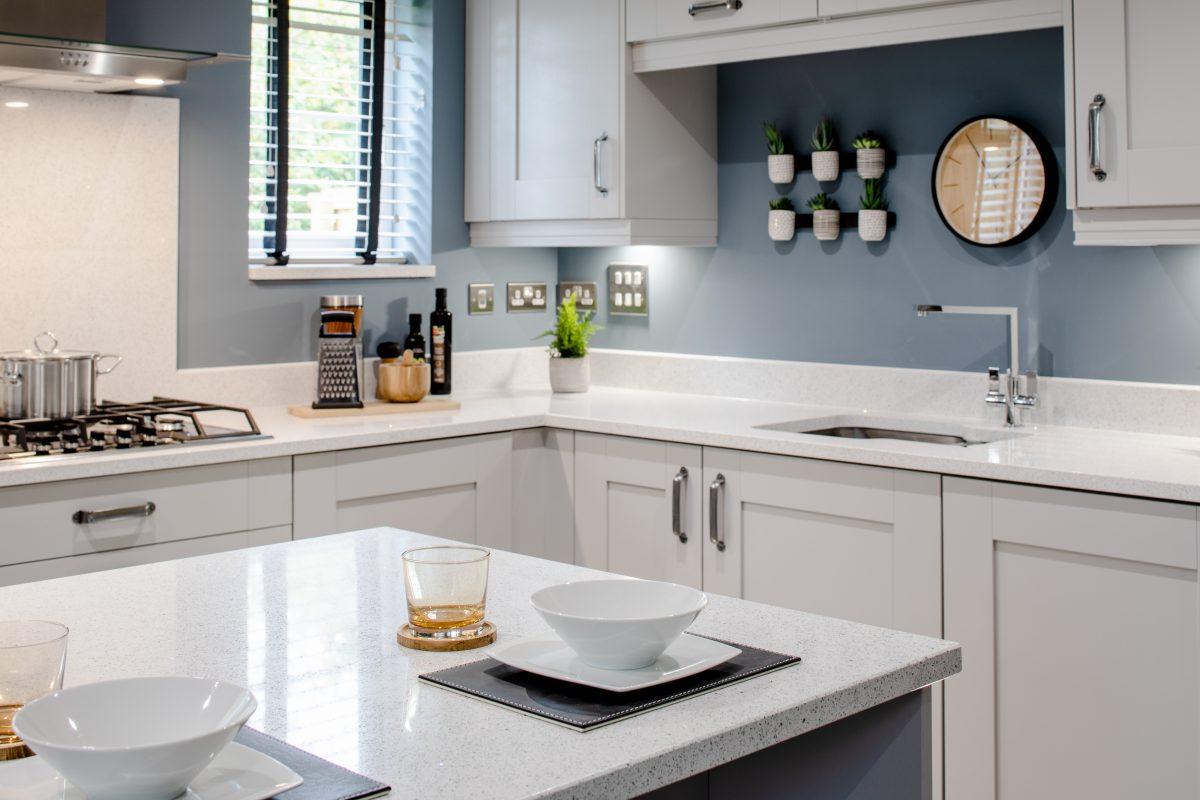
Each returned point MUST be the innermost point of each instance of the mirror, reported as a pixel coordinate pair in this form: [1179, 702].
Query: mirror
[991, 180]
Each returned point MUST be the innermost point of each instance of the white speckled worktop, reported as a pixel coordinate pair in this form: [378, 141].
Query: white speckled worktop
[309, 626]
[1119, 462]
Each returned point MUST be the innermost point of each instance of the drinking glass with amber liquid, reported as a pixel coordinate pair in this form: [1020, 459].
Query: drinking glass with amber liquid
[33, 655]
[446, 588]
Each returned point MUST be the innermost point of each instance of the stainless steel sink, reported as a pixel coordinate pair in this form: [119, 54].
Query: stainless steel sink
[904, 429]
[856, 432]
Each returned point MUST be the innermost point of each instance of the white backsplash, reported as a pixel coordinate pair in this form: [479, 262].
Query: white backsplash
[89, 229]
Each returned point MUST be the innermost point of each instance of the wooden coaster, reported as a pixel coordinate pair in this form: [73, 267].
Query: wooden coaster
[407, 637]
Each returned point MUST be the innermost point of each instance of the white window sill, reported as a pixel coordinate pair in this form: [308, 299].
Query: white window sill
[335, 272]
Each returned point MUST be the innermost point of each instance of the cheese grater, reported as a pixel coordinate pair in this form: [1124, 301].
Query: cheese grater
[339, 361]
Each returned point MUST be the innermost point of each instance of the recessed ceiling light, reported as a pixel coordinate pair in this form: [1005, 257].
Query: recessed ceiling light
[16, 104]
[149, 81]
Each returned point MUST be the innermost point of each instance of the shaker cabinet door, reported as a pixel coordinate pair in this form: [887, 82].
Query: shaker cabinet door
[1137, 103]
[1078, 616]
[637, 508]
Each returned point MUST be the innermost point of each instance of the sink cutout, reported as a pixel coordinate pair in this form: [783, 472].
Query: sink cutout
[896, 429]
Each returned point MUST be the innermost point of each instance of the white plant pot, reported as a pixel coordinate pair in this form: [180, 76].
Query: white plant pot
[870, 162]
[781, 225]
[782, 169]
[827, 224]
[872, 224]
[825, 165]
[570, 375]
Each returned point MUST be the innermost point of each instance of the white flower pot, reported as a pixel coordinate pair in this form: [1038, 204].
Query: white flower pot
[782, 169]
[827, 224]
[870, 161]
[569, 375]
[872, 224]
[781, 225]
[825, 165]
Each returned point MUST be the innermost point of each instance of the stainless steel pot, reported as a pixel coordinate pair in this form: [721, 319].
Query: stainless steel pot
[46, 382]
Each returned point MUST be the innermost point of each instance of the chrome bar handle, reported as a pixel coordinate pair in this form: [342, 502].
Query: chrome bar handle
[1028, 398]
[603, 190]
[714, 5]
[994, 395]
[84, 517]
[716, 511]
[678, 504]
[1094, 109]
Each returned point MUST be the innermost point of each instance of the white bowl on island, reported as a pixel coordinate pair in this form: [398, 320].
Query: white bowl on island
[137, 738]
[619, 623]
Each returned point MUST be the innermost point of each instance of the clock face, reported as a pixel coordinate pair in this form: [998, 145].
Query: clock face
[991, 182]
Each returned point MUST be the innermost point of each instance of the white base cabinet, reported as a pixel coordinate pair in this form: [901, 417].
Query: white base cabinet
[455, 488]
[1078, 617]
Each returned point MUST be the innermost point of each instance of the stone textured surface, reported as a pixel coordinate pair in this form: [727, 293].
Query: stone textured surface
[309, 627]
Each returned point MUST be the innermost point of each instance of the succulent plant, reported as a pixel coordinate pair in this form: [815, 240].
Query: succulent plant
[775, 144]
[868, 140]
[822, 136]
[782, 204]
[822, 202]
[873, 198]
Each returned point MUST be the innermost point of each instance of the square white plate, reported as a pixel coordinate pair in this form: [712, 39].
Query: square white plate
[551, 657]
[237, 773]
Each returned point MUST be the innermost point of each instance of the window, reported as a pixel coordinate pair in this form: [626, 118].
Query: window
[339, 135]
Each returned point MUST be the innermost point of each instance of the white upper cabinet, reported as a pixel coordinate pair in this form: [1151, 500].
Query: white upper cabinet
[839, 8]
[1135, 118]
[566, 147]
[663, 19]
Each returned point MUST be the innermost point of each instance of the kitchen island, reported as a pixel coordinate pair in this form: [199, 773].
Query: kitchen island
[309, 627]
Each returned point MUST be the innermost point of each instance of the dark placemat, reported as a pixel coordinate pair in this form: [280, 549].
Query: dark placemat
[584, 708]
[323, 780]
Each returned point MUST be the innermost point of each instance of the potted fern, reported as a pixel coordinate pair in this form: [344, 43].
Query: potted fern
[868, 152]
[825, 166]
[827, 219]
[781, 220]
[781, 166]
[569, 369]
[872, 211]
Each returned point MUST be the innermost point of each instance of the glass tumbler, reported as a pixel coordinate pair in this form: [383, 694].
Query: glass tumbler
[33, 655]
[446, 587]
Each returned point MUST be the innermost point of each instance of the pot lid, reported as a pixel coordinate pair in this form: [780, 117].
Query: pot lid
[45, 348]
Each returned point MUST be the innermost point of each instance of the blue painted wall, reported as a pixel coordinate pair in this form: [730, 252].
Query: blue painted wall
[1118, 313]
[226, 319]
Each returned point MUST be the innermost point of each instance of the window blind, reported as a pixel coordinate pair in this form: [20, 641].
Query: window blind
[315, 124]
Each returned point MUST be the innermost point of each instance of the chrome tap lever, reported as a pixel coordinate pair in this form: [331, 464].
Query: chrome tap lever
[1029, 398]
[994, 394]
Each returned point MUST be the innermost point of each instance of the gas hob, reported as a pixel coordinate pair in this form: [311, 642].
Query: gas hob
[162, 422]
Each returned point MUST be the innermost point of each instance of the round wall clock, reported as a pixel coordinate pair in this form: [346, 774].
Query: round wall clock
[993, 181]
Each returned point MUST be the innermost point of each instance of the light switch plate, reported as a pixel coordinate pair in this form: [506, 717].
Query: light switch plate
[481, 298]
[586, 294]
[526, 297]
[628, 289]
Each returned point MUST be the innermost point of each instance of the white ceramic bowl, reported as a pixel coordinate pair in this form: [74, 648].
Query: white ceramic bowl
[618, 623]
[134, 739]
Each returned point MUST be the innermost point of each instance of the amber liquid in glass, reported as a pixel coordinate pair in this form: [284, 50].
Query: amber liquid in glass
[11, 746]
[444, 618]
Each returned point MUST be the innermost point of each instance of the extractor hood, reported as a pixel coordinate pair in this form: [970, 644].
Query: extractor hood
[39, 62]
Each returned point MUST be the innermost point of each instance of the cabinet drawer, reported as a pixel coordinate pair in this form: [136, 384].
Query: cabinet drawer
[664, 19]
[38, 522]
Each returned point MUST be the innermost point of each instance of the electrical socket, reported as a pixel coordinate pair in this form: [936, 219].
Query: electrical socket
[481, 298]
[628, 289]
[526, 297]
[586, 294]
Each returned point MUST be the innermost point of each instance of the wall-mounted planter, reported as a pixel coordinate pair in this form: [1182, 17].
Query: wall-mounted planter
[826, 165]
[827, 224]
[870, 162]
[781, 225]
[872, 224]
[782, 168]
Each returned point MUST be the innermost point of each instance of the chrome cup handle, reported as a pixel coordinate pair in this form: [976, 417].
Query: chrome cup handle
[114, 365]
[37, 342]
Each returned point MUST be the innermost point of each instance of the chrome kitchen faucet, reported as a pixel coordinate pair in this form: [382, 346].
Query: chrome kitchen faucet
[1012, 398]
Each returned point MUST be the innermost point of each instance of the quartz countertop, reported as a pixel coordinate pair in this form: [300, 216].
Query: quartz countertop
[309, 626]
[1118, 462]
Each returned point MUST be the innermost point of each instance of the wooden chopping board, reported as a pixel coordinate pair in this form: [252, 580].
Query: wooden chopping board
[373, 407]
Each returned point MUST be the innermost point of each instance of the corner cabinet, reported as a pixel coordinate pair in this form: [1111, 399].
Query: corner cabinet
[1078, 617]
[565, 146]
[1134, 121]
